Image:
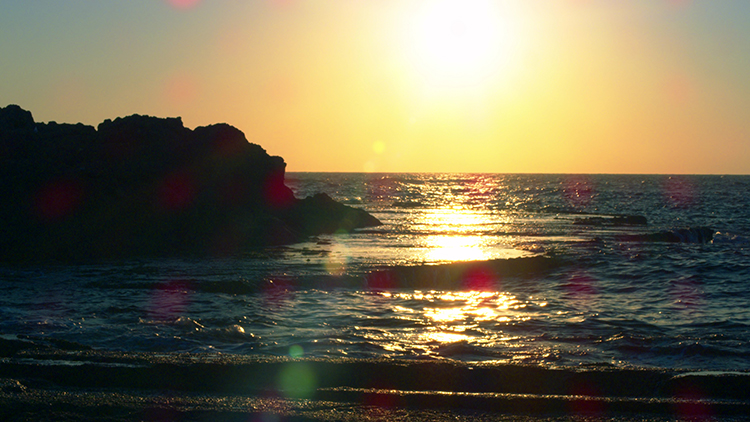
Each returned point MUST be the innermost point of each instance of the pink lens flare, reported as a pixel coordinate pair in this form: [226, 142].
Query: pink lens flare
[170, 300]
[680, 192]
[480, 279]
[58, 199]
[176, 192]
[183, 4]
[181, 88]
[578, 191]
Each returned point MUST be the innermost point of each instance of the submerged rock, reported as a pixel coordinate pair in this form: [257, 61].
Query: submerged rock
[142, 185]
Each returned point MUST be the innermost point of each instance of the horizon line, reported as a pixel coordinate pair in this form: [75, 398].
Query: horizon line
[520, 173]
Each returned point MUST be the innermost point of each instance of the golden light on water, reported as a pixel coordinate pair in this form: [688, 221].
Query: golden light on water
[452, 317]
[456, 248]
[456, 219]
[476, 306]
[470, 236]
[443, 235]
[446, 337]
[445, 315]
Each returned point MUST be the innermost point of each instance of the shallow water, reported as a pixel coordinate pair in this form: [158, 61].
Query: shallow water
[558, 280]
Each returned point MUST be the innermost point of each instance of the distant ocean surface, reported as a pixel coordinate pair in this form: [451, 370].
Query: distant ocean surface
[566, 271]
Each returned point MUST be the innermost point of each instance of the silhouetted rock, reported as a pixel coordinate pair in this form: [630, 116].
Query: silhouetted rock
[142, 185]
[682, 235]
[14, 118]
[321, 214]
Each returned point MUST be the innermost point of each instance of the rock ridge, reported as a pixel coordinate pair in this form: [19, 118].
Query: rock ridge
[142, 186]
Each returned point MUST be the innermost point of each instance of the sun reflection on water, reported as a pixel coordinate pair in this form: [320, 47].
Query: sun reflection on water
[424, 236]
[444, 337]
[456, 248]
[459, 234]
[468, 319]
[476, 306]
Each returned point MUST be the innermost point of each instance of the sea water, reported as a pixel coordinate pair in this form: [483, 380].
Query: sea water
[552, 270]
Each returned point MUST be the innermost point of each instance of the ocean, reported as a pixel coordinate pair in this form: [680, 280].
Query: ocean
[553, 271]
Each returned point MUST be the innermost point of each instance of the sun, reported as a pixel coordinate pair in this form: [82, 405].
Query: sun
[459, 42]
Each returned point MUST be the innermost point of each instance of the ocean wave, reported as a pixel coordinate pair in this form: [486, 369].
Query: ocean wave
[472, 275]
[685, 349]
[475, 275]
[612, 220]
[467, 351]
[730, 238]
[249, 375]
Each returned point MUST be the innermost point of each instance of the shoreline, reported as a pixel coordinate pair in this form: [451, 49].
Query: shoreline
[97, 405]
[96, 385]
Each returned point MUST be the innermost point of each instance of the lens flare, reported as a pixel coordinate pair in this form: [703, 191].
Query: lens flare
[183, 4]
[296, 351]
[579, 191]
[297, 380]
[337, 260]
[181, 89]
[59, 199]
[170, 300]
[176, 192]
[378, 147]
[680, 192]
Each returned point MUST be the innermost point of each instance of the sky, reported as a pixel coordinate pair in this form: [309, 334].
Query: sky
[504, 86]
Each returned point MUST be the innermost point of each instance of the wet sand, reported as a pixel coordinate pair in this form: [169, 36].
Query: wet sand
[102, 406]
[82, 385]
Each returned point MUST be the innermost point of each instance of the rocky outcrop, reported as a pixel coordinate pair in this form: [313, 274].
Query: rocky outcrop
[142, 185]
[612, 220]
[680, 235]
[321, 214]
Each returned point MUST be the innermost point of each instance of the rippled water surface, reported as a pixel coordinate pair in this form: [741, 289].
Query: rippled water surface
[565, 273]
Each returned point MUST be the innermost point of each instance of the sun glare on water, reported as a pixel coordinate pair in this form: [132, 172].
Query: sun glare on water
[448, 317]
[456, 248]
[461, 235]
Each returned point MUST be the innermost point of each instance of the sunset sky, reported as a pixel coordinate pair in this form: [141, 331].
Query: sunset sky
[542, 86]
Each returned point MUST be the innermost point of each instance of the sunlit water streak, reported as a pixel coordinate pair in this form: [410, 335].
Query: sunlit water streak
[612, 299]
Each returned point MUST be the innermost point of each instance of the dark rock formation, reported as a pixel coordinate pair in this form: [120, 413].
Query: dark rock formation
[143, 185]
[321, 214]
[682, 235]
